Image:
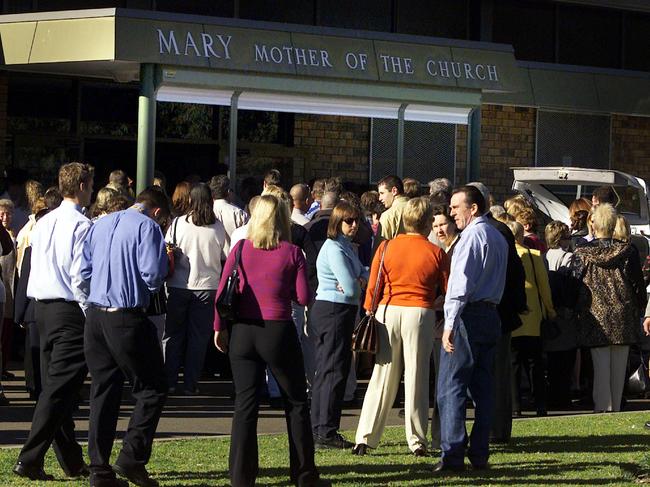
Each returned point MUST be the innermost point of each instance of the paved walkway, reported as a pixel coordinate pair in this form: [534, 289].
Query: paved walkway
[208, 414]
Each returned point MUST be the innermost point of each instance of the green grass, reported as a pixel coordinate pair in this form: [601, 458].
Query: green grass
[589, 450]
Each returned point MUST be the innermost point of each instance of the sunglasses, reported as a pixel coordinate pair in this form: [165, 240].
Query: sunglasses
[350, 221]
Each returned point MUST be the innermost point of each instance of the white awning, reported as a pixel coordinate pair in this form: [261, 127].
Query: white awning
[321, 105]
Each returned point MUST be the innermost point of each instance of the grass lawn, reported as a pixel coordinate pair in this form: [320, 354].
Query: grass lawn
[589, 450]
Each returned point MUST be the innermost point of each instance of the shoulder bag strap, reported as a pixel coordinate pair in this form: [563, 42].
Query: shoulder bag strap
[375, 293]
[175, 224]
[539, 297]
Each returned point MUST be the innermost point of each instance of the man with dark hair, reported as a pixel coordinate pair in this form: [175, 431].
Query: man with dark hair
[56, 256]
[272, 177]
[123, 261]
[604, 194]
[471, 331]
[230, 215]
[391, 194]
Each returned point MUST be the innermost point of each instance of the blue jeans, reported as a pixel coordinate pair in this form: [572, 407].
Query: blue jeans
[469, 367]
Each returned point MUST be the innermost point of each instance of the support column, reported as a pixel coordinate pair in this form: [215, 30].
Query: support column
[474, 145]
[146, 127]
[400, 140]
[232, 142]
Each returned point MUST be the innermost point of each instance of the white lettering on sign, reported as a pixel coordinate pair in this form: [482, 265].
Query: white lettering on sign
[447, 69]
[168, 45]
[299, 56]
[356, 61]
[397, 64]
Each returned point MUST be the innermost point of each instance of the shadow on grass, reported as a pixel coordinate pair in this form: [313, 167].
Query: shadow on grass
[580, 444]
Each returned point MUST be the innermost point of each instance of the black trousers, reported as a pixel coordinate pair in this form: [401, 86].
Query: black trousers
[435, 414]
[527, 358]
[560, 371]
[501, 430]
[61, 329]
[123, 344]
[252, 347]
[32, 360]
[331, 326]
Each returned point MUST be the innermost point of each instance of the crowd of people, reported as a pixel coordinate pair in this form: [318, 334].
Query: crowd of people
[472, 300]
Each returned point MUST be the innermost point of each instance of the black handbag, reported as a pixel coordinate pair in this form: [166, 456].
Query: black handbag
[639, 381]
[365, 337]
[227, 300]
[549, 329]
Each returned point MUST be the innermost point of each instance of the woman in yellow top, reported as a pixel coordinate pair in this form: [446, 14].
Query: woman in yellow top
[526, 340]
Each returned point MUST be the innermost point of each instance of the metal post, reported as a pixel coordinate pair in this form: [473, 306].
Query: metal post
[232, 153]
[146, 127]
[474, 145]
[400, 140]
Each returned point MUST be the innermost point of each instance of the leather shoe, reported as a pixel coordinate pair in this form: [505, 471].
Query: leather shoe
[421, 452]
[102, 482]
[360, 449]
[336, 442]
[442, 467]
[137, 474]
[647, 425]
[31, 472]
[480, 466]
[81, 471]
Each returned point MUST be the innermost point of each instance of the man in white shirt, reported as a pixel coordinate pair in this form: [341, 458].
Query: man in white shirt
[301, 202]
[54, 280]
[230, 215]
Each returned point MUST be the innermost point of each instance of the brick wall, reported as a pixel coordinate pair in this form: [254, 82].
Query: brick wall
[507, 140]
[332, 146]
[630, 150]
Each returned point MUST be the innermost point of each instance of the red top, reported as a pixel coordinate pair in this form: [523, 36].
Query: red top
[414, 270]
[269, 280]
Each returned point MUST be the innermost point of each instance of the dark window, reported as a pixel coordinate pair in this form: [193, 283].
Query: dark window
[185, 121]
[528, 26]
[214, 8]
[360, 14]
[40, 105]
[107, 110]
[637, 42]
[17, 6]
[572, 139]
[292, 11]
[444, 18]
[589, 37]
[49, 5]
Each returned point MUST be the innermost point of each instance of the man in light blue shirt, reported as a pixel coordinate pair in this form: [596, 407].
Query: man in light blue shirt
[56, 243]
[123, 261]
[471, 330]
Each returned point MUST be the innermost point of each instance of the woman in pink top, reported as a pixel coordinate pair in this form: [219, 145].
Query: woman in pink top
[272, 274]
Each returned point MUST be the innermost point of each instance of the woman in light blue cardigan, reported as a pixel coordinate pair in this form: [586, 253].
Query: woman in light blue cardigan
[341, 276]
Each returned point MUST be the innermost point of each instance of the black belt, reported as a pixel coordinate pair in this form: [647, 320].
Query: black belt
[486, 304]
[58, 300]
[108, 309]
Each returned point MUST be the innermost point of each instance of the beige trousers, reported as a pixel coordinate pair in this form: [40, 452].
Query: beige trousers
[405, 343]
[610, 366]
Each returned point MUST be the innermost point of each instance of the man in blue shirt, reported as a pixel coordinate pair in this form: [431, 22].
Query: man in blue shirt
[122, 263]
[471, 330]
[56, 250]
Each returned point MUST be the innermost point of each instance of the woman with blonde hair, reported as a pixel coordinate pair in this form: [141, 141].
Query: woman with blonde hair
[611, 300]
[272, 273]
[341, 276]
[622, 230]
[515, 204]
[407, 292]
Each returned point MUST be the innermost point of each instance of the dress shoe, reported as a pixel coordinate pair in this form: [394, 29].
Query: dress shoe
[81, 471]
[480, 466]
[442, 467]
[421, 452]
[102, 482]
[6, 375]
[360, 449]
[3, 399]
[31, 472]
[336, 442]
[194, 391]
[137, 474]
[647, 425]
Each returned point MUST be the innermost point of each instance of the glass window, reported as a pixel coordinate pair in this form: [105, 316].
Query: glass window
[444, 18]
[589, 37]
[109, 110]
[185, 121]
[224, 8]
[528, 26]
[40, 105]
[291, 11]
[360, 14]
[637, 42]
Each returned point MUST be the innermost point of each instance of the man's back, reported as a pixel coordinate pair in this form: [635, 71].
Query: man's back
[124, 259]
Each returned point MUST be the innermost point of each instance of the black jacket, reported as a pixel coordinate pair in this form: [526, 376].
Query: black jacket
[513, 301]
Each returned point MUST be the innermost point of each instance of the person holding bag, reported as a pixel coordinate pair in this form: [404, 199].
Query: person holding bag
[271, 273]
[406, 320]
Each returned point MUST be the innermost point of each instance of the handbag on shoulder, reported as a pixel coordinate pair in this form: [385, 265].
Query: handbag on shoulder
[365, 337]
[227, 300]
